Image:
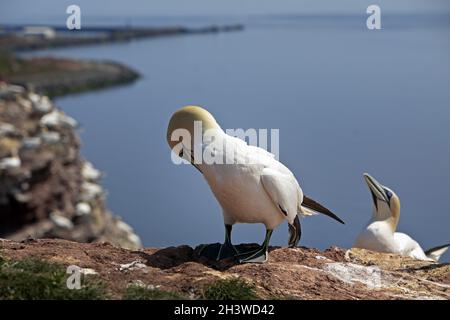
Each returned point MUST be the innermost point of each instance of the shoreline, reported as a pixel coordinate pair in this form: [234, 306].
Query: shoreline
[61, 76]
[13, 42]
[57, 77]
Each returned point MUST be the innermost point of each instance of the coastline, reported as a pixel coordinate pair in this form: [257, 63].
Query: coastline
[58, 76]
[61, 76]
[106, 35]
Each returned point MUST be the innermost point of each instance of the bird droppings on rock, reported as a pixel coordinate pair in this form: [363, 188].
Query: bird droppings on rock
[351, 273]
[87, 271]
[46, 189]
[135, 265]
[141, 284]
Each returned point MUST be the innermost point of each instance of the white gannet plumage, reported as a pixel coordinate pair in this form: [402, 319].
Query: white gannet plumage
[253, 187]
[380, 233]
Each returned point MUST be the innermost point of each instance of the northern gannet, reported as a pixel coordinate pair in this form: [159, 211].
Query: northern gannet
[10, 163]
[251, 188]
[57, 119]
[83, 209]
[89, 173]
[379, 235]
[90, 191]
[40, 104]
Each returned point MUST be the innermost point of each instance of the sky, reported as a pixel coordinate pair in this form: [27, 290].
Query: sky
[15, 11]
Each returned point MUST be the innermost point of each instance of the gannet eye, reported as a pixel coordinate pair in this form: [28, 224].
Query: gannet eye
[388, 193]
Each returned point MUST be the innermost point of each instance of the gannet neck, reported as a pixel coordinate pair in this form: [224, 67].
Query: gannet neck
[386, 203]
[386, 213]
[213, 135]
[395, 210]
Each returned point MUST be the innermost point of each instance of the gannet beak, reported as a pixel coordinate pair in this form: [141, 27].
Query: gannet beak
[376, 189]
[317, 207]
[184, 155]
[295, 232]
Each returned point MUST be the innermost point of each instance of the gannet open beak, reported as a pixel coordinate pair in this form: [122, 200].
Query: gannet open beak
[376, 189]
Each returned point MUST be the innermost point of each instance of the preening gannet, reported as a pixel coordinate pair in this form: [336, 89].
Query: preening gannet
[248, 182]
[379, 234]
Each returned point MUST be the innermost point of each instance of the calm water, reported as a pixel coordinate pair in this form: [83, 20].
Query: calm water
[346, 101]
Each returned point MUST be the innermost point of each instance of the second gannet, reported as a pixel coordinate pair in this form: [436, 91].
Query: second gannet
[379, 234]
[251, 188]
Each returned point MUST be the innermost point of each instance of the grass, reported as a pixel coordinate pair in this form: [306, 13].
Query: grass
[8, 62]
[230, 289]
[135, 292]
[34, 279]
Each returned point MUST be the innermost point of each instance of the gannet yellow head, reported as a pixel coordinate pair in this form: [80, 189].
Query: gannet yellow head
[182, 125]
[386, 202]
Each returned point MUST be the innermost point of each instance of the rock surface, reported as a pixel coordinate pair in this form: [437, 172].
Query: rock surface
[47, 190]
[299, 273]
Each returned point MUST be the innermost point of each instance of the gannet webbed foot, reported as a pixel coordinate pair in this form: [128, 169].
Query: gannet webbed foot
[242, 255]
[221, 251]
[217, 251]
[227, 250]
[260, 255]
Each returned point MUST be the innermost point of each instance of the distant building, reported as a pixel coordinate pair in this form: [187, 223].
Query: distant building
[44, 32]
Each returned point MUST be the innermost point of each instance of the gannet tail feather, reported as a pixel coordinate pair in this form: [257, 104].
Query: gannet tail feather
[295, 233]
[312, 205]
[436, 252]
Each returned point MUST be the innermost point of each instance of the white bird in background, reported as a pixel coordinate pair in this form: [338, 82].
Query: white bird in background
[379, 235]
[254, 188]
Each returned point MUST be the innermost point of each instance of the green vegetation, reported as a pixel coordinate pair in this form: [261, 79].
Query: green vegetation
[35, 279]
[230, 289]
[8, 63]
[135, 292]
